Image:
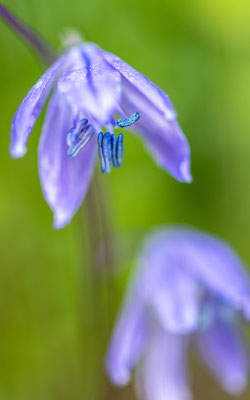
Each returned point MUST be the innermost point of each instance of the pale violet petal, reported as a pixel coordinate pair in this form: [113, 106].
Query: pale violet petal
[157, 124]
[163, 137]
[147, 88]
[29, 110]
[174, 298]
[225, 355]
[163, 374]
[206, 258]
[64, 180]
[92, 84]
[127, 343]
[217, 266]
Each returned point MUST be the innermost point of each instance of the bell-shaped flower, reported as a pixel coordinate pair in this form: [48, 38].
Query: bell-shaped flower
[94, 93]
[189, 287]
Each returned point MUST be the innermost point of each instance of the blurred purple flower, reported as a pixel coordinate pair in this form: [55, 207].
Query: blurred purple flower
[91, 87]
[189, 286]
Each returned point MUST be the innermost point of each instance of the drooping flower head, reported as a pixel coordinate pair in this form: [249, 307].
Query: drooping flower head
[189, 286]
[94, 94]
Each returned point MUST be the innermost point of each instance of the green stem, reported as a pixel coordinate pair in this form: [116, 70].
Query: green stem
[37, 42]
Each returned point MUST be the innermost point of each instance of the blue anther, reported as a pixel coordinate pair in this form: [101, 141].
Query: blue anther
[100, 151]
[125, 123]
[78, 137]
[119, 149]
[74, 132]
[106, 145]
[114, 151]
[110, 150]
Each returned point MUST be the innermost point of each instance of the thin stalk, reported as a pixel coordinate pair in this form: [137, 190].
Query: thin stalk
[104, 224]
[25, 32]
[97, 263]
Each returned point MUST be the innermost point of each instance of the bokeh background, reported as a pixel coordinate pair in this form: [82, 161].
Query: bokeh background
[56, 309]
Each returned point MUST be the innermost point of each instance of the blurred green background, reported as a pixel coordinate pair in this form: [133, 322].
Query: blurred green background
[56, 311]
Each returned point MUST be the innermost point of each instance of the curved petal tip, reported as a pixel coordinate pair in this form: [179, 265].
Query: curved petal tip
[185, 170]
[60, 220]
[119, 377]
[17, 150]
[236, 383]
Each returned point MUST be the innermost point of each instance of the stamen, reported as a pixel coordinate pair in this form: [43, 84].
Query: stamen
[78, 137]
[125, 123]
[119, 149]
[100, 151]
[110, 150]
[114, 151]
[106, 144]
[74, 132]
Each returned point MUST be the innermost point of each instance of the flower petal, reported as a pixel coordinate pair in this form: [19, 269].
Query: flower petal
[174, 299]
[157, 123]
[91, 83]
[163, 371]
[218, 267]
[223, 352]
[64, 180]
[148, 89]
[127, 343]
[28, 111]
[205, 258]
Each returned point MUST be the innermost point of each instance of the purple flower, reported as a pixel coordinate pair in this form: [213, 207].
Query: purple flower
[91, 89]
[189, 287]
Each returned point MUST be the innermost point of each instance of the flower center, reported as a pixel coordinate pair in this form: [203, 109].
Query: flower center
[216, 309]
[110, 148]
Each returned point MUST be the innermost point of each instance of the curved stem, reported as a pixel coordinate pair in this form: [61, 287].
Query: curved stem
[41, 46]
